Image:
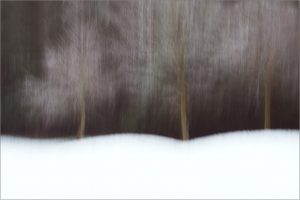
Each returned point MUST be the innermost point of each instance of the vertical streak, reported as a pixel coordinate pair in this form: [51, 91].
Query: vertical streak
[182, 89]
[181, 73]
[258, 53]
[267, 83]
[81, 129]
[267, 86]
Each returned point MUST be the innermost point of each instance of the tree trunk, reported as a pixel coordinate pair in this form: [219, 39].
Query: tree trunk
[267, 92]
[82, 45]
[181, 73]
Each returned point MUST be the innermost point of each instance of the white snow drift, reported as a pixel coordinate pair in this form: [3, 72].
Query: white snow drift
[254, 164]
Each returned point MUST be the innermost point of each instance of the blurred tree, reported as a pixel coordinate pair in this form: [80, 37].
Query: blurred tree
[267, 91]
[72, 70]
[180, 56]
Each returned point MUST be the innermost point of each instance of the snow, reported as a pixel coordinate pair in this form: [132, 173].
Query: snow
[246, 164]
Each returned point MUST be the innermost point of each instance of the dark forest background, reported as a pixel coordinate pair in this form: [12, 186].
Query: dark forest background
[119, 66]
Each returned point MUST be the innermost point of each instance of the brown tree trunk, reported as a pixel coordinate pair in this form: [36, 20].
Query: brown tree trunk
[181, 72]
[82, 45]
[267, 92]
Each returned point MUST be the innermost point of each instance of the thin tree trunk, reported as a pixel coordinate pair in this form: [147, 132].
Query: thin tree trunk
[267, 105]
[267, 92]
[82, 45]
[182, 91]
[81, 130]
[181, 74]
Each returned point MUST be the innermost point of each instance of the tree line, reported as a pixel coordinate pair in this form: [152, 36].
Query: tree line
[177, 68]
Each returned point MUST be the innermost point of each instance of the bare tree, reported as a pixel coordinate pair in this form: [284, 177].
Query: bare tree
[71, 71]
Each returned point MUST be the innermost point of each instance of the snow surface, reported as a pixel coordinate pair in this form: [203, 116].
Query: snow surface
[253, 164]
